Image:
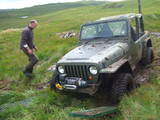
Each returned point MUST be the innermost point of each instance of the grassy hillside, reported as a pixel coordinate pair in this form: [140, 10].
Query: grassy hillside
[142, 104]
[12, 18]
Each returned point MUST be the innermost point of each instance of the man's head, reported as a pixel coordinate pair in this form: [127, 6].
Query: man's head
[33, 24]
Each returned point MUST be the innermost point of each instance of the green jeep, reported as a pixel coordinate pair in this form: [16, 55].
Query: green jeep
[108, 52]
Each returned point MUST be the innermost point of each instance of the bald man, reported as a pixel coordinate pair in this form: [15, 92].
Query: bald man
[28, 47]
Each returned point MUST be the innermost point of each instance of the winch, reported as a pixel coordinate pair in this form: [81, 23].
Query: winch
[72, 82]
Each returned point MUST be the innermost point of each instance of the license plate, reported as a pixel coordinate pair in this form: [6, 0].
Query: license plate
[72, 80]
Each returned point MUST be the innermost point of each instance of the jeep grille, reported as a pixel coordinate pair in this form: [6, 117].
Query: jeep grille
[77, 71]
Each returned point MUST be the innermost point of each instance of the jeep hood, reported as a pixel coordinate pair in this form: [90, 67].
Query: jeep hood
[95, 52]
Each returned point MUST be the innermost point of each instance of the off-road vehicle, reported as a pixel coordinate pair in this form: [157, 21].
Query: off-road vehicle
[109, 50]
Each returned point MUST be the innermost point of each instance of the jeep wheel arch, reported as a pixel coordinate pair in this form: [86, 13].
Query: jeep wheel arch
[121, 66]
[125, 68]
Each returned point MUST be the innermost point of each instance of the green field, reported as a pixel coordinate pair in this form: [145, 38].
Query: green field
[12, 18]
[142, 104]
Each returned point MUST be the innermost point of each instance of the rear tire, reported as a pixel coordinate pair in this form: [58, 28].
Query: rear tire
[122, 83]
[149, 56]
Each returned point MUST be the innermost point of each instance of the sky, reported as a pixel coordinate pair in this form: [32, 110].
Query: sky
[10, 4]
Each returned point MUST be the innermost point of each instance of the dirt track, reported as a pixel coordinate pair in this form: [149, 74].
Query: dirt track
[4, 85]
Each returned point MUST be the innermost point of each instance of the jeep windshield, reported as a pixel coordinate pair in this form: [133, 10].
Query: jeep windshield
[104, 30]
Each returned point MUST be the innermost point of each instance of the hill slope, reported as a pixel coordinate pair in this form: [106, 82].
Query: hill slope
[142, 104]
[14, 17]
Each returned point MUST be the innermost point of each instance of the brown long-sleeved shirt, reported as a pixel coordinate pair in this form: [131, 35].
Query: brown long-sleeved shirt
[27, 38]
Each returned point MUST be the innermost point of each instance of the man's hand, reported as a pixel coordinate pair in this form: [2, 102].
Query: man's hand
[30, 51]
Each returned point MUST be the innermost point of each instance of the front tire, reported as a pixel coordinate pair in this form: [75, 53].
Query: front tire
[122, 83]
[53, 82]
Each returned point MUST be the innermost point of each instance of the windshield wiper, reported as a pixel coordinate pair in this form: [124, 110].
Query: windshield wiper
[90, 40]
[98, 37]
[87, 42]
[118, 36]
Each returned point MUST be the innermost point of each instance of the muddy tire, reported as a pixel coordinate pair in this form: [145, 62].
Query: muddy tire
[53, 82]
[149, 56]
[122, 84]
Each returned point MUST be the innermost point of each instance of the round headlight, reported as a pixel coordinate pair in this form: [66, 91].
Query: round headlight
[93, 70]
[60, 69]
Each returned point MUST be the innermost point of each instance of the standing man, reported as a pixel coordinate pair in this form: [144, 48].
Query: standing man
[28, 47]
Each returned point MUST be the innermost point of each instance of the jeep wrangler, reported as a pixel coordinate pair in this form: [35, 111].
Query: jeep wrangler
[108, 52]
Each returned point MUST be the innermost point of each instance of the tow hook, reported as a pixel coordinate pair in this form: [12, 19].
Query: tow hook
[58, 86]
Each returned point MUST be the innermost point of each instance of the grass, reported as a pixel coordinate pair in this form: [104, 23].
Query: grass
[142, 104]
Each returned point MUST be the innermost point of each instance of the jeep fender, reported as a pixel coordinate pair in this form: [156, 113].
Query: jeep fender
[120, 66]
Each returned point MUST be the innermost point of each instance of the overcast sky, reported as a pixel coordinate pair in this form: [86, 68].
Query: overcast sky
[8, 4]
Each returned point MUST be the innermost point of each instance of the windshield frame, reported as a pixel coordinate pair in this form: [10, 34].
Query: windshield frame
[99, 22]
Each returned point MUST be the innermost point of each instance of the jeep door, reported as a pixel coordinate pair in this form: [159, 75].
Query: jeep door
[136, 40]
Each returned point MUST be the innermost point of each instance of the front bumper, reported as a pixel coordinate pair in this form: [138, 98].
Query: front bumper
[71, 83]
[75, 84]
